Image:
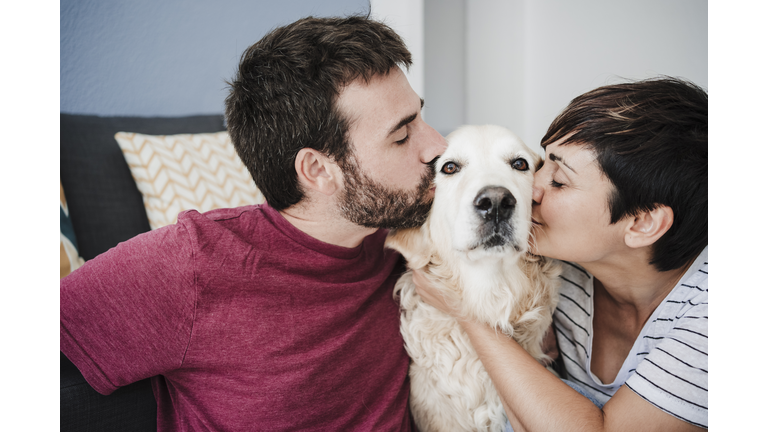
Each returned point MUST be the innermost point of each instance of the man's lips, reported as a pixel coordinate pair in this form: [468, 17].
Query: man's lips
[535, 222]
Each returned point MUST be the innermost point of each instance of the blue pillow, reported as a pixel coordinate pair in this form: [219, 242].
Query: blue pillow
[70, 258]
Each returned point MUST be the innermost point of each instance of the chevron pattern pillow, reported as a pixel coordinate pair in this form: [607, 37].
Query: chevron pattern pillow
[184, 172]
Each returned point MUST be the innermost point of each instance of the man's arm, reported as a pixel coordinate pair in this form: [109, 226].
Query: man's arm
[127, 314]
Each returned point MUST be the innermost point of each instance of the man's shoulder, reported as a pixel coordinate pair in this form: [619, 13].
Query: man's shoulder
[221, 215]
[236, 219]
[225, 228]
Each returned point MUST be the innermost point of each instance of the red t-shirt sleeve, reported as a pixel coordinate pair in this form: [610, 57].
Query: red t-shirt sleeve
[127, 314]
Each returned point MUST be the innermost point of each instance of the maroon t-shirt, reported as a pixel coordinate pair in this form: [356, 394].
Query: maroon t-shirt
[245, 323]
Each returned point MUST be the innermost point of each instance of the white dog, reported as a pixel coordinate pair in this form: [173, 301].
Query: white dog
[474, 247]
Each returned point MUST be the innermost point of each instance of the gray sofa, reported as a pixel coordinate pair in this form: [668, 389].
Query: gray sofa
[106, 208]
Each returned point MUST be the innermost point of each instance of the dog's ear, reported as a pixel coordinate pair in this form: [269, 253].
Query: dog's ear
[543, 274]
[412, 243]
[538, 162]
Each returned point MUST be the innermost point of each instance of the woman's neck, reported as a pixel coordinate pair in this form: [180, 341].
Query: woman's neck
[624, 299]
[634, 283]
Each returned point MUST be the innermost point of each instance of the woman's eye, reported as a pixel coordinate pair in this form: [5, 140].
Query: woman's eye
[520, 164]
[449, 168]
[555, 184]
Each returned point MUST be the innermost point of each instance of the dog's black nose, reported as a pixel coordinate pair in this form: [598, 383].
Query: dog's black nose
[494, 203]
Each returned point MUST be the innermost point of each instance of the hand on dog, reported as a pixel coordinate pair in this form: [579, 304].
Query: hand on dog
[432, 296]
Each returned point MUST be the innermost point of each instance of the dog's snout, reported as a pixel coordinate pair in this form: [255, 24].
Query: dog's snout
[495, 203]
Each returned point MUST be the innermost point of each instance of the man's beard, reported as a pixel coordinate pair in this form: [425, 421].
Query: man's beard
[373, 205]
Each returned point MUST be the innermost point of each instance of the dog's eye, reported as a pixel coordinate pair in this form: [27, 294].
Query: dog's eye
[520, 164]
[450, 168]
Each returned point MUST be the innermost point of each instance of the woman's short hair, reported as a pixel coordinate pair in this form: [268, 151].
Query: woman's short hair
[650, 139]
[283, 96]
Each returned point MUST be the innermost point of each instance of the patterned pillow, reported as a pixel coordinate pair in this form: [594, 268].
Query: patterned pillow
[183, 172]
[70, 258]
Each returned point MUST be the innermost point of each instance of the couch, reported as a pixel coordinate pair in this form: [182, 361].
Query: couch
[105, 208]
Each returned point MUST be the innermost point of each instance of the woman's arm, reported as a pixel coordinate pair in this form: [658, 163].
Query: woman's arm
[536, 400]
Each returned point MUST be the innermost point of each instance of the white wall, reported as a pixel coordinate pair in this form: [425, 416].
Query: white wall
[524, 60]
[406, 17]
[445, 63]
[495, 71]
[575, 46]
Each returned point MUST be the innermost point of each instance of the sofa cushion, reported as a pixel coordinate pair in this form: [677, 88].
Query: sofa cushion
[128, 409]
[188, 171]
[104, 204]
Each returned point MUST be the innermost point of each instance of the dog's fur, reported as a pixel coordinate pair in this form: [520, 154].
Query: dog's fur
[481, 263]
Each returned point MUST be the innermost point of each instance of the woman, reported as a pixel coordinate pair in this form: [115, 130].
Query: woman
[621, 199]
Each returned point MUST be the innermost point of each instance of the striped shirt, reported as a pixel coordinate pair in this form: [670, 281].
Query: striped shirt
[667, 365]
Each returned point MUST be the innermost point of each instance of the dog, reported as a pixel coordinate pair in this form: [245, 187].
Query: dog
[474, 248]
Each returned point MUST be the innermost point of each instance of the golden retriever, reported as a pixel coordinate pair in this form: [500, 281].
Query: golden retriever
[474, 248]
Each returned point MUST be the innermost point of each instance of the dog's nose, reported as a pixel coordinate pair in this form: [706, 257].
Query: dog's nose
[495, 203]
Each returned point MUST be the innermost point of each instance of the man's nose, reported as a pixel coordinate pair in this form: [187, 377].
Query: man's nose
[434, 144]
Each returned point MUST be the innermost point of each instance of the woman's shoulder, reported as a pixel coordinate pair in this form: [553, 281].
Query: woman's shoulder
[692, 291]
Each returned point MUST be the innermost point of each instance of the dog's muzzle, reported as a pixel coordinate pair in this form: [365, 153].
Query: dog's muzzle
[495, 206]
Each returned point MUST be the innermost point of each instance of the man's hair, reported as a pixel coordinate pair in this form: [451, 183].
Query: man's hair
[650, 139]
[283, 97]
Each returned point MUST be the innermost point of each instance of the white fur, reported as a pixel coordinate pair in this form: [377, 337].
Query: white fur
[502, 286]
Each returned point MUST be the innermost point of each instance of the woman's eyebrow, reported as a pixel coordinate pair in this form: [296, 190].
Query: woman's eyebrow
[555, 158]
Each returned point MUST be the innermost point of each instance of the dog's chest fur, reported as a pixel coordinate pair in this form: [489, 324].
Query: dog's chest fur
[450, 389]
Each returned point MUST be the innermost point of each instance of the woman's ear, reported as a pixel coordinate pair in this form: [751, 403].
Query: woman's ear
[648, 226]
[317, 172]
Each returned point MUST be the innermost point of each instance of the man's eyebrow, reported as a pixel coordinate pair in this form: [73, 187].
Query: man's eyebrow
[555, 158]
[405, 121]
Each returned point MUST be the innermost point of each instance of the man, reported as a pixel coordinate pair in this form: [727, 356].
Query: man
[279, 316]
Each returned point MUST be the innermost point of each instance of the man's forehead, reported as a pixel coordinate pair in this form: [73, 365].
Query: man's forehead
[383, 102]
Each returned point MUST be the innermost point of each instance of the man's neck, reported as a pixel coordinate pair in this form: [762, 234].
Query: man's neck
[326, 225]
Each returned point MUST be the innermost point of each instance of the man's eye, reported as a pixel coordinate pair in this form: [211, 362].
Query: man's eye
[520, 164]
[555, 184]
[450, 168]
[404, 140]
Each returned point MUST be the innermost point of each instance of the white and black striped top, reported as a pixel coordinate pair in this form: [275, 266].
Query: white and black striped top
[667, 365]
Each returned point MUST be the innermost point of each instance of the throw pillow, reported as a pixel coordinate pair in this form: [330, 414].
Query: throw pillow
[184, 172]
[70, 258]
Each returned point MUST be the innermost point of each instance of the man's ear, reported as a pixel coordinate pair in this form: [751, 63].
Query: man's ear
[317, 171]
[648, 226]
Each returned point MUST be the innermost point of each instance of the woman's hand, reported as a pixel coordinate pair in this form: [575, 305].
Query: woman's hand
[437, 299]
[432, 296]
